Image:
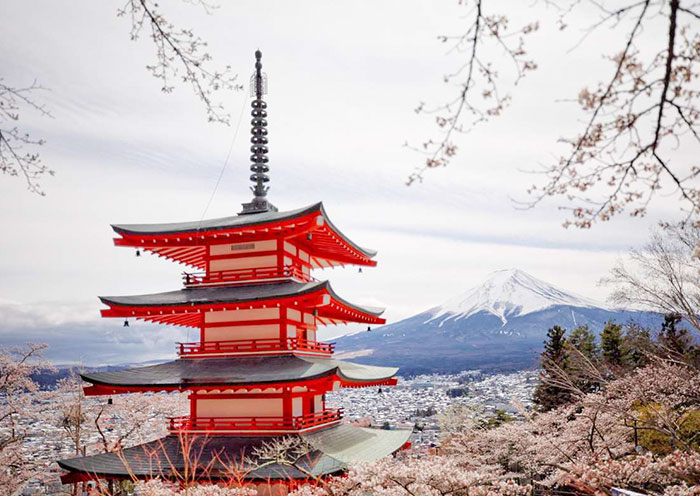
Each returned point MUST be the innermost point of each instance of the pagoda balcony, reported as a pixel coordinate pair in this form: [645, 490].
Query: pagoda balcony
[254, 347]
[255, 425]
[277, 273]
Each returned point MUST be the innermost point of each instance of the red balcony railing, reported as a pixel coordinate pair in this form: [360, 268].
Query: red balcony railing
[243, 424]
[240, 275]
[254, 346]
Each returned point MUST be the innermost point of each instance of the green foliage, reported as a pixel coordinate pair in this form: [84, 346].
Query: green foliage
[555, 361]
[675, 342]
[499, 418]
[651, 433]
[555, 346]
[584, 341]
[611, 343]
[636, 346]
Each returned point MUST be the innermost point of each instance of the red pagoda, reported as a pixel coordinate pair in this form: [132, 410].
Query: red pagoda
[258, 371]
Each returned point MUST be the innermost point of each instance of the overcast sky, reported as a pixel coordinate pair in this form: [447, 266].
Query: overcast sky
[344, 80]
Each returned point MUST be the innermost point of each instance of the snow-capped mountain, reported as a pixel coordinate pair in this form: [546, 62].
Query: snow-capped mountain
[498, 325]
[509, 293]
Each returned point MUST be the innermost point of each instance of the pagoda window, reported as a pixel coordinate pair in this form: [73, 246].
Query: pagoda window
[233, 333]
[243, 315]
[294, 315]
[242, 324]
[291, 331]
[222, 264]
[290, 248]
[240, 407]
[309, 319]
[297, 406]
[303, 255]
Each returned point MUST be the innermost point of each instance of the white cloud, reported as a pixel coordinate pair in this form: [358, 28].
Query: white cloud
[343, 84]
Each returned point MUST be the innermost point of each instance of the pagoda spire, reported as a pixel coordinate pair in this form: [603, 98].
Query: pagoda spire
[258, 139]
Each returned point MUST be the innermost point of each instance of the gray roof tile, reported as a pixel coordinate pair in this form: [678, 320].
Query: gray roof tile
[239, 370]
[334, 448]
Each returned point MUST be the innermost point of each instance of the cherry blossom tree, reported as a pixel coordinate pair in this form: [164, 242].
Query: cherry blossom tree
[16, 387]
[642, 112]
[569, 446]
[180, 56]
[118, 422]
[477, 84]
[18, 149]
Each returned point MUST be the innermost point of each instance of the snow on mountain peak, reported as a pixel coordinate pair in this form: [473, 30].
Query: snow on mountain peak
[509, 293]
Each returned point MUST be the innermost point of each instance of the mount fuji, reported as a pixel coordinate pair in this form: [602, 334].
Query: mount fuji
[499, 325]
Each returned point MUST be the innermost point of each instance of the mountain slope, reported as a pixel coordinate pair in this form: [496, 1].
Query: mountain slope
[499, 325]
[510, 293]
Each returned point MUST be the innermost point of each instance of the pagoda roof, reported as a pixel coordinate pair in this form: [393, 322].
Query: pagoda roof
[236, 372]
[182, 307]
[221, 223]
[214, 457]
[185, 242]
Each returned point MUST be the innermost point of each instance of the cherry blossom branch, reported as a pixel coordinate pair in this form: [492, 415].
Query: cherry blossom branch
[179, 54]
[480, 76]
[18, 155]
[621, 159]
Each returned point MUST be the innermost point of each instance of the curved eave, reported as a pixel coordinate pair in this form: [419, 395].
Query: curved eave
[184, 307]
[211, 455]
[335, 447]
[186, 242]
[359, 375]
[239, 374]
[365, 251]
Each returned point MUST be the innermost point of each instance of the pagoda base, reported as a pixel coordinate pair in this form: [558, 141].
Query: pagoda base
[258, 205]
[227, 458]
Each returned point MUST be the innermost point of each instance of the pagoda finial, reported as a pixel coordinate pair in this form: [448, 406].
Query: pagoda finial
[259, 167]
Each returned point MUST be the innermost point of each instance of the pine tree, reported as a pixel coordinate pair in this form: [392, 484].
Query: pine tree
[611, 343]
[584, 341]
[554, 360]
[582, 359]
[674, 341]
[636, 346]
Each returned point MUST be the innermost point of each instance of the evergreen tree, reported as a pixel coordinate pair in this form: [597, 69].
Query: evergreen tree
[584, 341]
[674, 341]
[636, 346]
[585, 354]
[554, 360]
[499, 418]
[611, 343]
